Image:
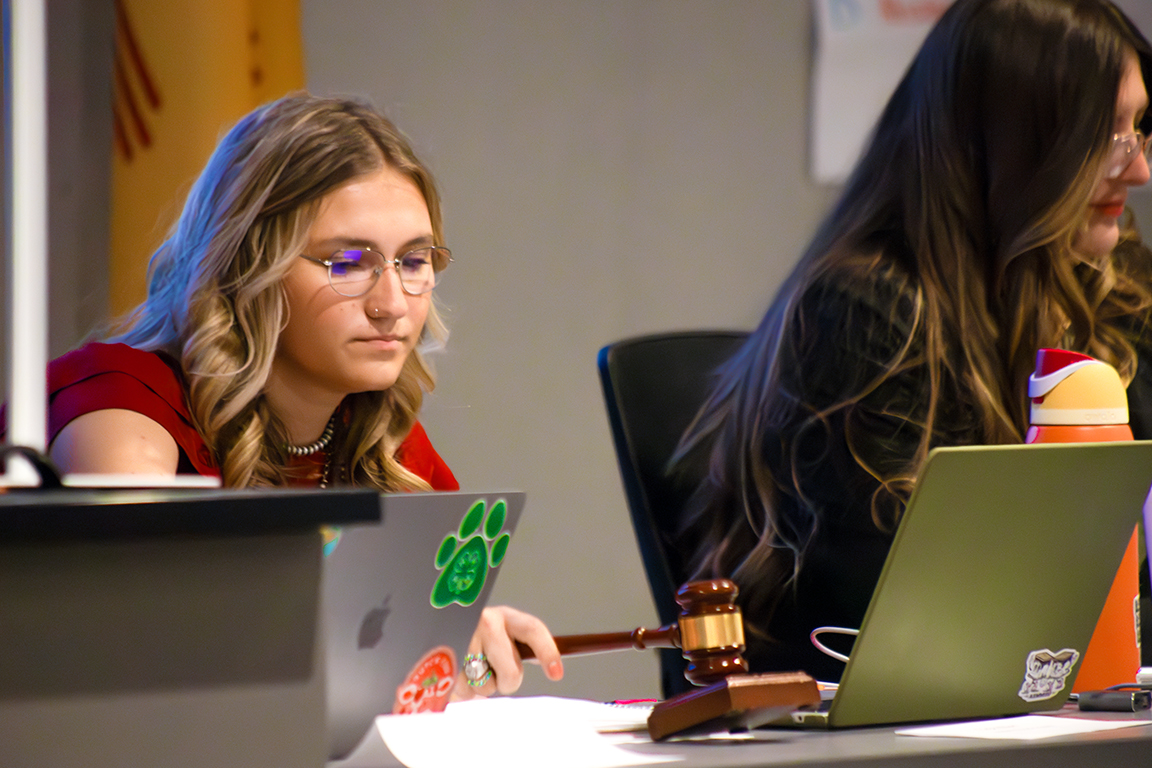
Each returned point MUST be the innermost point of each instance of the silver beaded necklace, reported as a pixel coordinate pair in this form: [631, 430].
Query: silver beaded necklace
[315, 445]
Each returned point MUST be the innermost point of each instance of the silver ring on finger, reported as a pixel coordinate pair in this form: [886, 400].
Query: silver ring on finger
[477, 670]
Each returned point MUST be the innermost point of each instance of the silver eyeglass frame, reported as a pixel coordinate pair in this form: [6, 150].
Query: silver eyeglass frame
[439, 255]
[1133, 143]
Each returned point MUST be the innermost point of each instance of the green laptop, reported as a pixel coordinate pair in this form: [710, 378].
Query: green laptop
[998, 572]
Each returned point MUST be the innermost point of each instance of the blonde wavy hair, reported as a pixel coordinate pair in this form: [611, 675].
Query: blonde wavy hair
[215, 298]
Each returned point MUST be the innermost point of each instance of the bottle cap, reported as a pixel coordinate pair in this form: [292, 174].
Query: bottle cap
[1052, 367]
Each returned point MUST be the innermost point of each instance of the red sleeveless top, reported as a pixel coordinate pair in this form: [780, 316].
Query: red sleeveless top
[99, 376]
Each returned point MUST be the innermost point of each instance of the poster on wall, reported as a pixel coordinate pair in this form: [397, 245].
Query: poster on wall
[862, 49]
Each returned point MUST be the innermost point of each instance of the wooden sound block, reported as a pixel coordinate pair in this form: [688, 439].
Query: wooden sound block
[737, 702]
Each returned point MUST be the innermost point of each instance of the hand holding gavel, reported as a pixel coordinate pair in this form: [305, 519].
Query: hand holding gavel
[710, 632]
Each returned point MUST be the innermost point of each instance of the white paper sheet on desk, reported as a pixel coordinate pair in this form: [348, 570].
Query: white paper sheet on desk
[518, 731]
[1025, 727]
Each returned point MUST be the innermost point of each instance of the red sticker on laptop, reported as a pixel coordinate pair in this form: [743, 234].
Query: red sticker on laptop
[427, 687]
[1046, 672]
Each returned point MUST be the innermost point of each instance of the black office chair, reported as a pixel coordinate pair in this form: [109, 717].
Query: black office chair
[653, 387]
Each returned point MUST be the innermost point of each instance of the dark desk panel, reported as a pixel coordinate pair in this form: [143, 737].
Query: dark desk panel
[173, 627]
[87, 515]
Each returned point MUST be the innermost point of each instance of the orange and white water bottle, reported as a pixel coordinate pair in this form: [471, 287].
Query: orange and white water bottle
[1076, 399]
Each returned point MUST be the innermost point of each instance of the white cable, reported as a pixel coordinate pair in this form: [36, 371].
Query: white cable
[833, 631]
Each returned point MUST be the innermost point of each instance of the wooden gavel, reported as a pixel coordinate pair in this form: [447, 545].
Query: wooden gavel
[709, 631]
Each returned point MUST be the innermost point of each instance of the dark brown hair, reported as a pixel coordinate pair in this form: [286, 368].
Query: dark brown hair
[963, 210]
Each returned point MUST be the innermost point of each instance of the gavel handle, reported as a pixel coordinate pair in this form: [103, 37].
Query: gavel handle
[639, 639]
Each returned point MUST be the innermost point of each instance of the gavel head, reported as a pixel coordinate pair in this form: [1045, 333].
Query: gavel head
[711, 630]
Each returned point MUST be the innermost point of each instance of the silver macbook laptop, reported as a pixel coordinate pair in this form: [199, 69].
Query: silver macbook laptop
[401, 600]
[998, 572]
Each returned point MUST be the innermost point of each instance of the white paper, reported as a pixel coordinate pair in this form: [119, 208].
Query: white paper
[518, 731]
[863, 48]
[1025, 727]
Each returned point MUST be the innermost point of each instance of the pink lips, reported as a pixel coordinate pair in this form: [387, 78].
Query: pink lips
[1113, 210]
[383, 342]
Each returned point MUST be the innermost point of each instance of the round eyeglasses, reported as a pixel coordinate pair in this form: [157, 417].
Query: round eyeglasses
[354, 271]
[1124, 150]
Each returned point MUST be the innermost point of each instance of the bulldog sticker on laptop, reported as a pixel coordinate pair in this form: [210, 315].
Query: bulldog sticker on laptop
[1046, 672]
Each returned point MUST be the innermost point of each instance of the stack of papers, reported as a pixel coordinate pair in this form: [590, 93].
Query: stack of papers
[517, 731]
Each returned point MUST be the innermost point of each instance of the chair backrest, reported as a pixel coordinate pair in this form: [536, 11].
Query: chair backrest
[653, 387]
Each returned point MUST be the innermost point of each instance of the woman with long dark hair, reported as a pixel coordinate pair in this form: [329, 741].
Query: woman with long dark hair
[984, 221]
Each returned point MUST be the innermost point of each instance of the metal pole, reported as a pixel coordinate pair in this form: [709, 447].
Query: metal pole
[28, 286]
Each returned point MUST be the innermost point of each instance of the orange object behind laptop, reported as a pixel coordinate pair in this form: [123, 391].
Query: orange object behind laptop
[1076, 398]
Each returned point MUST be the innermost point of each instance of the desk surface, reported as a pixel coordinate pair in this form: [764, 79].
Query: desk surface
[882, 748]
[527, 733]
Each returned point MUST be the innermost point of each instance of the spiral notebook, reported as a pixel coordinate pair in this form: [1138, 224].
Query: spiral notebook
[400, 601]
[998, 572]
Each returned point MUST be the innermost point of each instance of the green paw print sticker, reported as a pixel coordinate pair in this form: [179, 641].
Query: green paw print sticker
[463, 559]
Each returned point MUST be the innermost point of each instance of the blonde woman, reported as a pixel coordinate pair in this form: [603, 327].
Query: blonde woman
[280, 341]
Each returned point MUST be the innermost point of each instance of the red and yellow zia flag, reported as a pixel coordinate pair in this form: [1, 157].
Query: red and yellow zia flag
[185, 71]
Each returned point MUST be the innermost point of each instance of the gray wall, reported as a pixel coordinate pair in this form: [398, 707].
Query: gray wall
[608, 169]
[80, 48]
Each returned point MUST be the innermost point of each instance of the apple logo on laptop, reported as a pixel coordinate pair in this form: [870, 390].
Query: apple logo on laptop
[372, 627]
